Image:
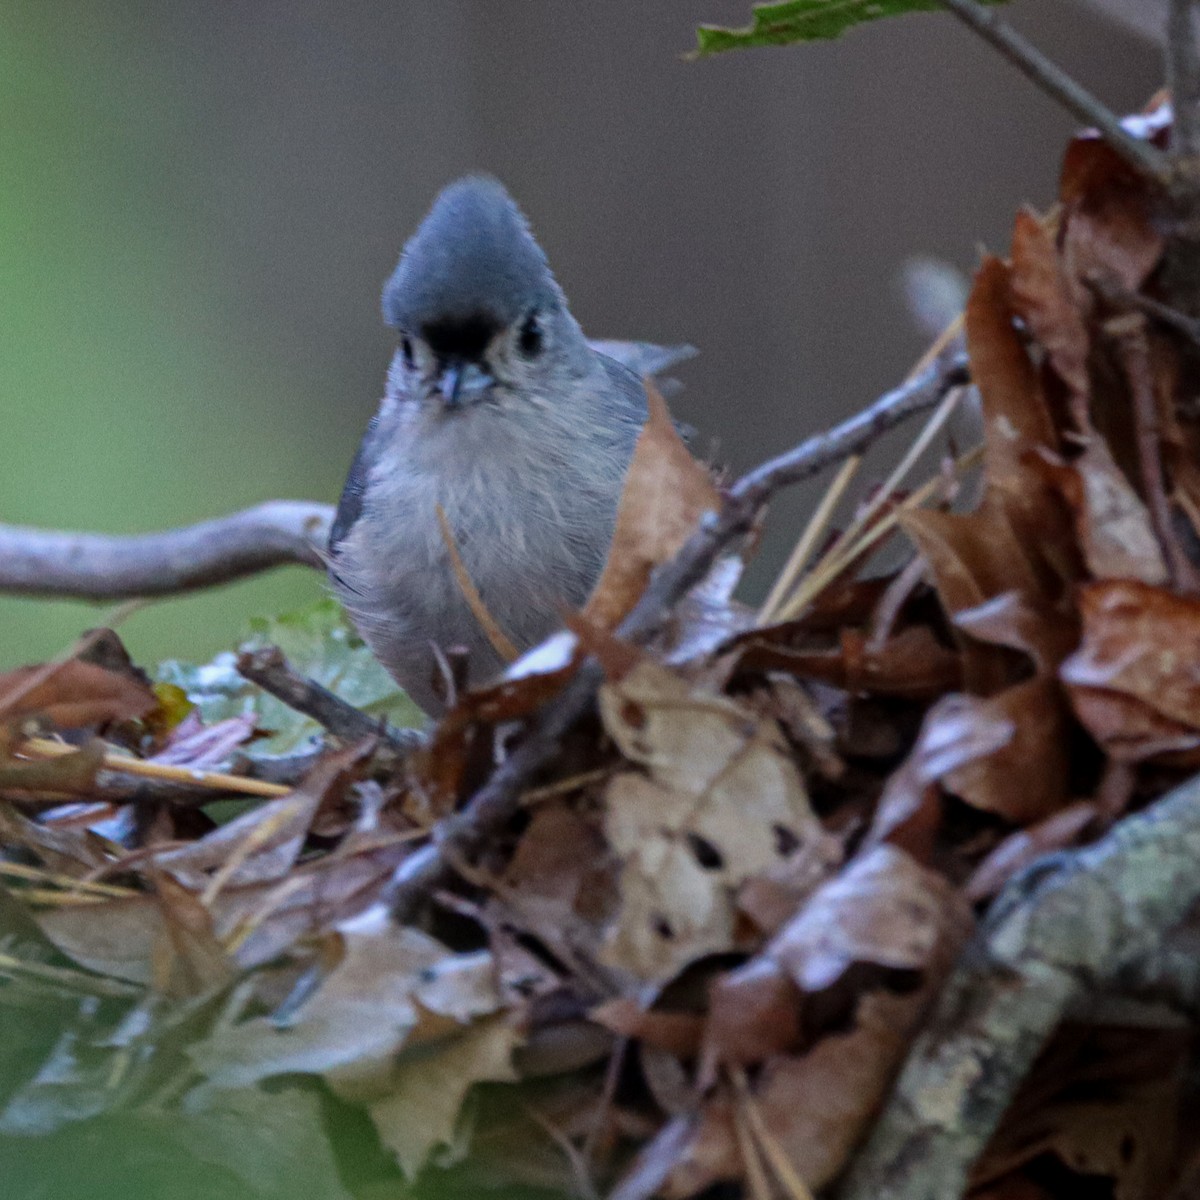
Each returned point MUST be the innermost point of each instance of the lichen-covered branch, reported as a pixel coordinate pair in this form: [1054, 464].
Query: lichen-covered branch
[1072, 923]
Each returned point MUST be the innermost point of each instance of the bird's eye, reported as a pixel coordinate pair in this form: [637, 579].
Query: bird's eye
[406, 349]
[529, 339]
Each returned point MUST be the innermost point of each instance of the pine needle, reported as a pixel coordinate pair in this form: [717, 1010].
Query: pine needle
[812, 534]
[499, 640]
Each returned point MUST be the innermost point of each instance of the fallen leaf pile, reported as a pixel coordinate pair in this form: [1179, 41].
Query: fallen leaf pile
[701, 951]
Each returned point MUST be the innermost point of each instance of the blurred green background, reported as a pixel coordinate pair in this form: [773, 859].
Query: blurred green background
[198, 203]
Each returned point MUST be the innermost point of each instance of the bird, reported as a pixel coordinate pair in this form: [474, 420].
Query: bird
[502, 442]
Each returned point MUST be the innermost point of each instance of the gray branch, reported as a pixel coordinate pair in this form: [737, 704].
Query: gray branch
[94, 566]
[1068, 927]
[1056, 83]
[1183, 78]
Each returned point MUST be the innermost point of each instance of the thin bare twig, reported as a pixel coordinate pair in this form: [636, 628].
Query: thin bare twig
[271, 671]
[461, 833]
[94, 566]
[1055, 82]
[1183, 78]
[1061, 930]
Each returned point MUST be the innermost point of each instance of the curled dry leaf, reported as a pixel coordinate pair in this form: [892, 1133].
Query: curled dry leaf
[1133, 681]
[666, 493]
[912, 665]
[720, 801]
[1019, 539]
[1042, 297]
[1107, 226]
[1006, 754]
[883, 910]
[73, 695]
[1019, 849]
[1112, 523]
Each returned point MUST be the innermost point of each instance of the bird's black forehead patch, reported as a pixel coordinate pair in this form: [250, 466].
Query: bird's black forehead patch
[464, 337]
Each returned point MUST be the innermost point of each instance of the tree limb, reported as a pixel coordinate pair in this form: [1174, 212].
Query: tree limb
[1066, 927]
[271, 671]
[459, 835]
[1183, 78]
[94, 566]
[1056, 83]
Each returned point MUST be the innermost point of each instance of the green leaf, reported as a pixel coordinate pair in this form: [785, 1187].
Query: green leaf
[319, 643]
[804, 21]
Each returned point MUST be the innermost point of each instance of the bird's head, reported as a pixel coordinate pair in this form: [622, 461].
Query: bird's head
[479, 315]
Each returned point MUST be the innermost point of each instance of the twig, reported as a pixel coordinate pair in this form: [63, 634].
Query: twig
[214, 780]
[1059, 931]
[461, 833]
[94, 566]
[1183, 78]
[1055, 82]
[271, 671]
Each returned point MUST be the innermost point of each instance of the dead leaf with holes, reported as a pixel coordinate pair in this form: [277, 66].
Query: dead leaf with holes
[391, 984]
[718, 800]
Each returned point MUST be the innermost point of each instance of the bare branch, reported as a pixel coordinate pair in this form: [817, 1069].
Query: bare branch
[1183, 78]
[456, 837]
[1061, 930]
[271, 671]
[94, 566]
[1055, 82]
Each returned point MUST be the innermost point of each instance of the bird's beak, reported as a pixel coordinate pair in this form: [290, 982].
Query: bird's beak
[460, 383]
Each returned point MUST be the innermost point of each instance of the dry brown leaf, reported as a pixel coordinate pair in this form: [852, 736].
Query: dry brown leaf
[1010, 619]
[1108, 227]
[883, 908]
[721, 801]
[819, 1104]
[117, 937]
[678, 1033]
[912, 665]
[188, 959]
[1016, 417]
[73, 695]
[666, 493]
[1043, 300]
[1140, 644]
[976, 557]
[1111, 522]
[1005, 754]
[1019, 849]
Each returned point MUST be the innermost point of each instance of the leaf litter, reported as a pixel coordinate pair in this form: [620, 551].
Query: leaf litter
[699, 953]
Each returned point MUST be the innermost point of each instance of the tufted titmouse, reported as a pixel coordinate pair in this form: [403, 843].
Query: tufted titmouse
[500, 411]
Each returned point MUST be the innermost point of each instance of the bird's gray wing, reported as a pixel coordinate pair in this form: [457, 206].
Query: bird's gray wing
[646, 359]
[633, 389]
[350, 505]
